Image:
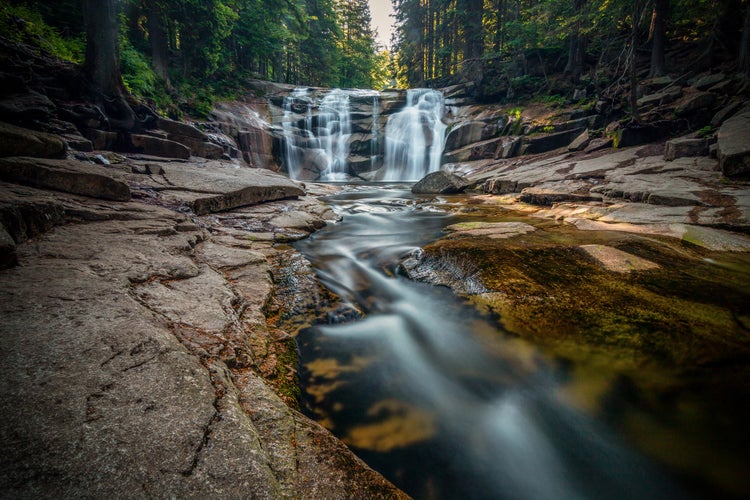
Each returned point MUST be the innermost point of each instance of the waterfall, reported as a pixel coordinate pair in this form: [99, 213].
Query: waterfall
[414, 137]
[297, 131]
[316, 143]
[318, 131]
[375, 130]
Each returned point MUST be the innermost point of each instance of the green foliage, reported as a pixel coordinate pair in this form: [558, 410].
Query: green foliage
[24, 24]
[706, 131]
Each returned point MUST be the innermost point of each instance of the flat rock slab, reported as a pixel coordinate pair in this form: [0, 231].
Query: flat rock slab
[69, 176]
[494, 230]
[616, 260]
[215, 187]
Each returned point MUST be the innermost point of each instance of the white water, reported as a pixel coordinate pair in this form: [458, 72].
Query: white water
[317, 135]
[415, 136]
[496, 425]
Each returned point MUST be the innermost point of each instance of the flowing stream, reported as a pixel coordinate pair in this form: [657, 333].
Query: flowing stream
[428, 392]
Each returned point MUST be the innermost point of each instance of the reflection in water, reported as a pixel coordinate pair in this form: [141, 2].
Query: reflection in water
[422, 394]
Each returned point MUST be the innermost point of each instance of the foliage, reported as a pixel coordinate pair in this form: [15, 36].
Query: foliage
[24, 23]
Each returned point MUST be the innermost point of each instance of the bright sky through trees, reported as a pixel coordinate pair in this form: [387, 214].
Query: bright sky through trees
[382, 21]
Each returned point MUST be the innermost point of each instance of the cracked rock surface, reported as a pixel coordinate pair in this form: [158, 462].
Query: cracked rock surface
[137, 360]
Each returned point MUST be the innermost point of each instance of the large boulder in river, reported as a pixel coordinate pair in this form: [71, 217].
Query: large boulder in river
[17, 141]
[440, 182]
[734, 146]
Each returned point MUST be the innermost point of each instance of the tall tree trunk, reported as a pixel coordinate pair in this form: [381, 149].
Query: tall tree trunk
[159, 42]
[574, 66]
[633, 62]
[102, 64]
[659, 37]
[473, 29]
[744, 59]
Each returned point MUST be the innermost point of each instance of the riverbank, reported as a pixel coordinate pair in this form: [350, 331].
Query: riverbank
[140, 352]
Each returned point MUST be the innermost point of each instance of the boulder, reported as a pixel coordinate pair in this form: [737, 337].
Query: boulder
[549, 142]
[8, 256]
[708, 81]
[684, 147]
[734, 146]
[466, 133]
[101, 139]
[580, 142]
[509, 148]
[27, 107]
[636, 135]
[17, 141]
[155, 146]
[440, 182]
[598, 144]
[726, 112]
[69, 176]
[175, 128]
[695, 102]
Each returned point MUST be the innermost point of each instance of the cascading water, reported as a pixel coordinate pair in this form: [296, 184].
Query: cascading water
[333, 130]
[297, 124]
[316, 144]
[375, 130]
[414, 137]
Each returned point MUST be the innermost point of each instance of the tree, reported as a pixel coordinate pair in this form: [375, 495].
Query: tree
[102, 63]
[658, 37]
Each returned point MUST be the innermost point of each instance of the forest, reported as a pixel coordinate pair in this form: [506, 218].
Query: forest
[183, 54]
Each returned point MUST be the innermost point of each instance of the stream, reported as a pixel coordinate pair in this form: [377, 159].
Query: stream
[428, 392]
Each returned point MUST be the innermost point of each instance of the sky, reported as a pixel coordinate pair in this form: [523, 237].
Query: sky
[381, 20]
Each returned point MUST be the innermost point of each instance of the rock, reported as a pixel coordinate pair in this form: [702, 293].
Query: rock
[155, 146]
[17, 141]
[555, 192]
[27, 108]
[685, 146]
[579, 94]
[708, 81]
[154, 382]
[549, 142]
[664, 97]
[734, 146]
[509, 148]
[78, 142]
[636, 135]
[598, 144]
[258, 143]
[175, 128]
[223, 187]
[8, 256]
[466, 133]
[440, 182]
[101, 139]
[695, 102]
[657, 82]
[493, 230]
[616, 260]
[70, 176]
[726, 112]
[580, 142]
[500, 186]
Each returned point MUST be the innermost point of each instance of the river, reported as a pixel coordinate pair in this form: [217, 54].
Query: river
[433, 394]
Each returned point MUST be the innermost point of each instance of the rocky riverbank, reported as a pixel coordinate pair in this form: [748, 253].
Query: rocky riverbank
[140, 339]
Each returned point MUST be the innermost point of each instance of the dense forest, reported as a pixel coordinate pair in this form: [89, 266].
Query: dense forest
[183, 54]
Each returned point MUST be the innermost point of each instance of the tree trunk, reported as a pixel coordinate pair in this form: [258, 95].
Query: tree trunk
[473, 27]
[659, 37]
[574, 66]
[633, 63]
[744, 59]
[159, 42]
[102, 64]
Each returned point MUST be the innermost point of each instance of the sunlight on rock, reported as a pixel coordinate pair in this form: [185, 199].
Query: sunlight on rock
[616, 260]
